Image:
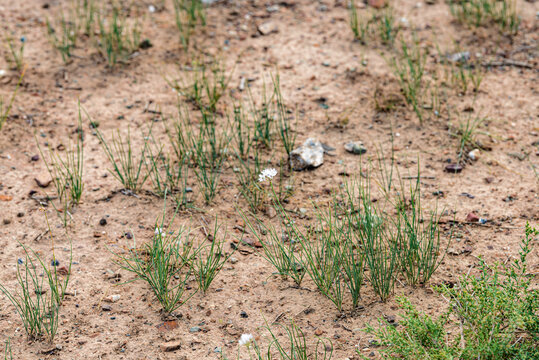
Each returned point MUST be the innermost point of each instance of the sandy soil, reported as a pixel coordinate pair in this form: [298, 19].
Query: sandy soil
[317, 58]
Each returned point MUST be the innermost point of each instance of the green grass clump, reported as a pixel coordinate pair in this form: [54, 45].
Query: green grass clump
[127, 168]
[165, 264]
[188, 15]
[117, 40]
[5, 107]
[477, 13]
[409, 68]
[66, 173]
[295, 347]
[40, 293]
[493, 315]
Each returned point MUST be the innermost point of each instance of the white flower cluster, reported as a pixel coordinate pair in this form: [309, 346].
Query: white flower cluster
[245, 339]
[267, 174]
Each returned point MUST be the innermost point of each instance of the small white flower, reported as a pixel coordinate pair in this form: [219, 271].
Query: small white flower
[159, 231]
[267, 174]
[2, 72]
[151, 8]
[245, 339]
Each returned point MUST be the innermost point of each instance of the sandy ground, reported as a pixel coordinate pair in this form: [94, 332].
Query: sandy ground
[313, 49]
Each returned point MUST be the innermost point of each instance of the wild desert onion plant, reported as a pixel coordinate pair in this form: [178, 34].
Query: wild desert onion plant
[63, 35]
[165, 264]
[409, 68]
[206, 84]
[496, 311]
[280, 248]
[67, 173]
[16, 53]
[5, 107]
[165, 174]
[8, 354]
[295, 348]
[418, 236]
[127, 168]
[376, 238]
[242, 133]
[485, 12]
[188, 15]
[117, 40]
[466, 134]
[286, 133]
[210, 259]
[41, 290]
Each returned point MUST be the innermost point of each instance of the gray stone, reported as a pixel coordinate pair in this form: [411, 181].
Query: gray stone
[309, 155]
[355, 147]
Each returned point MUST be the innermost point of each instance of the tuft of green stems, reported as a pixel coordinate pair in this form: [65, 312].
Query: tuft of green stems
[496, 311]
[16, 53]
[418, 236]
[188, 15]
[477, 13]
[127, 169]
[67, 173]
[117, 40]
[287, 135]
[280, 248]
[165, 264]
[39, 295]
[210, 259]
[409, 68]
[380, 25]
[295, 347]
[5, 107]
[8, 354]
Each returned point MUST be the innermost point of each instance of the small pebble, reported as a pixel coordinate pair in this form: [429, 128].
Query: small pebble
[243, 314]
[103, 222]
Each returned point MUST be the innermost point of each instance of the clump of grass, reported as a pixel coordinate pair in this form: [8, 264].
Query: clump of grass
[496, 312]
[375, 237]
[188, 15]
[295, 347]
[117, 40]
[67, 173]
[280, 248]
[485, 12]
[8, 354]
[206, 85]
[210, 259]
[286, 133]
[418, 236]
[39, 295]
[16, 53]
[5, 107]
[127, 169]
[378, 25]
[165, 264]
[409, 68]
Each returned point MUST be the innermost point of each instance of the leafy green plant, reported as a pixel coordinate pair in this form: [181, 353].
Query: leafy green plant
[127, 169]
[5, 107]
[484, 12]
[165, 264]
[210, 259]
[496, 312]
[409, 68]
